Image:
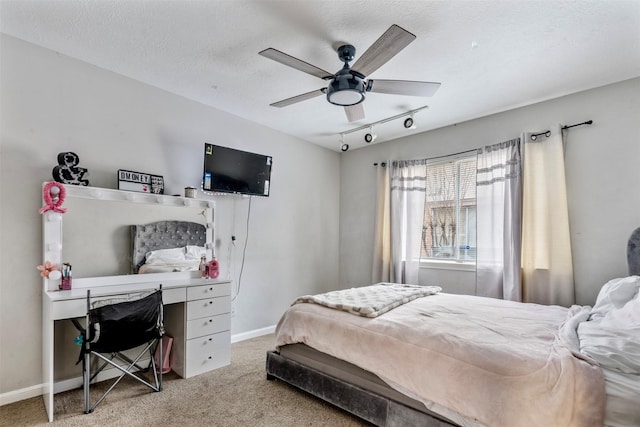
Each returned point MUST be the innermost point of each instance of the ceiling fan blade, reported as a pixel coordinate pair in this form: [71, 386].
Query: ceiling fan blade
[386, 47]
[296, 63]
[354, 112]
[298, 98]
[403, 87]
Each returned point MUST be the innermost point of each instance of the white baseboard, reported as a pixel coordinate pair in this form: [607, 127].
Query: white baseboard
[73, 383]
[253, 334]
[21, 394]
[58, 386]
[65, 385]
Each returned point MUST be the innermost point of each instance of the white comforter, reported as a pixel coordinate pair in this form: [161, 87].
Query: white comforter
[494, 362]
[611, 336]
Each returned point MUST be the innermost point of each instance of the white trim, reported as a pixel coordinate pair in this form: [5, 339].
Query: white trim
[58, 386]
[21, 394]
[447, 265]
[253, 334]
[73, 383]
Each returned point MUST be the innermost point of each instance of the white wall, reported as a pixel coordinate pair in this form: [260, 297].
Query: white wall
[51, 103]
[602, 170]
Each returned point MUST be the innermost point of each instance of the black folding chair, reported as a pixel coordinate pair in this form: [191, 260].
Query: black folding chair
[114, 328]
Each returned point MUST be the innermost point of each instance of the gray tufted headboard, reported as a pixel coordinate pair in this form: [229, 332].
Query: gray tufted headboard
[163, 235]
[633, 253]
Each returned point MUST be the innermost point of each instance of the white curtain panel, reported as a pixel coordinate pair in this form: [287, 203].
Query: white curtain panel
[547, 266]
[381, 271]
[408, 180]
[499, 207]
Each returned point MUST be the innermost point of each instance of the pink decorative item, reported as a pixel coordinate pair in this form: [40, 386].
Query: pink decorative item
[65, 284]
[53, 195]
[47, 268]
[165, 363]
[214, 269]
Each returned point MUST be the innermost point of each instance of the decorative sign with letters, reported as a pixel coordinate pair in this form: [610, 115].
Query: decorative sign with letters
[140, 182]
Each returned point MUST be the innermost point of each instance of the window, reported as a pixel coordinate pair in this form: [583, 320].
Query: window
[449, 227]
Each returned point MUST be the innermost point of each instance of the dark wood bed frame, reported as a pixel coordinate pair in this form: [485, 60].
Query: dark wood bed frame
[371, 406]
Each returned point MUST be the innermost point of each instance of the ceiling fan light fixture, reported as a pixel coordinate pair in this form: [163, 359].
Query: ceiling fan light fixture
[345, 97]
[346, 89]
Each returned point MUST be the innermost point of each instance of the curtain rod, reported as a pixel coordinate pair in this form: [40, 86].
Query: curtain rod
[383, 164]
[588, 122]
[547, 133]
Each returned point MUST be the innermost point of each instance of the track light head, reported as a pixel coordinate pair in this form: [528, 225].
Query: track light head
[370, 136]
[408, 123]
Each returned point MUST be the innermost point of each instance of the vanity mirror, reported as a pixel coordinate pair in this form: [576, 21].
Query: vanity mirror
[94, 234]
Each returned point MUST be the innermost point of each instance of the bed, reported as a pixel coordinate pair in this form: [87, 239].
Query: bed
[167, 246]
[456, 360]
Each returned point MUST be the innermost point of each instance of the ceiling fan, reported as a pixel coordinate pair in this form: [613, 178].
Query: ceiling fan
[348, 86]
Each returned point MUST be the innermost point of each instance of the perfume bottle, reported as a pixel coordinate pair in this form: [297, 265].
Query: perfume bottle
[204, 267]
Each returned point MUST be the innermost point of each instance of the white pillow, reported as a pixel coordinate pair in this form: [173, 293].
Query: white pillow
[190, 265]
[195, 252]
[165, 256]
[612, 334]
[615, 294]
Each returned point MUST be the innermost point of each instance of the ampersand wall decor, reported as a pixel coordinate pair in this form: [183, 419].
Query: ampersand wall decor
[68, 171]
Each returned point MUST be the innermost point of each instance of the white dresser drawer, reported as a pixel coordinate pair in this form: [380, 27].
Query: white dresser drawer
[208, 307]
[208, 291]
[208, 353]
[208, 325]
[172, 296]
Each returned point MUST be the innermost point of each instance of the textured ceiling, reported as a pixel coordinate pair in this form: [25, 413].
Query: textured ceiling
[490, 56]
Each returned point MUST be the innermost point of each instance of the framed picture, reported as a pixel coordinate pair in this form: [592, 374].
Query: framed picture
[140, 182]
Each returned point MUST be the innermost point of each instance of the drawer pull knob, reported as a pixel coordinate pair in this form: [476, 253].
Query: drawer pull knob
[210, 339]
[210, 357]
[210, 289]
[210, 320]
[210, 302]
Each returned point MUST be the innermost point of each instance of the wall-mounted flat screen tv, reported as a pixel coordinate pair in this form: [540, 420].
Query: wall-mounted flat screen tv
[228, 170]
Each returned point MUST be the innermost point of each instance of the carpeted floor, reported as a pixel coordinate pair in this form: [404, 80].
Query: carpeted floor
[236, 395]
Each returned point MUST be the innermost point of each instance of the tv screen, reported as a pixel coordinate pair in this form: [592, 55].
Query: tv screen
[228, 170]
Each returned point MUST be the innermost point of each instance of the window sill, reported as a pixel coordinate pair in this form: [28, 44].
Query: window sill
[448, 265]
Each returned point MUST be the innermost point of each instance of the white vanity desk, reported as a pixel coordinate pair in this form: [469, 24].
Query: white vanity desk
[73, 303]
[196, 313]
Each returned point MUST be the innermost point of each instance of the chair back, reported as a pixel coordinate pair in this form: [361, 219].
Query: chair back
[125, 325]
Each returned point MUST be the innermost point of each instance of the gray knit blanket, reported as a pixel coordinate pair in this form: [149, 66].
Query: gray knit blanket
[370, 301]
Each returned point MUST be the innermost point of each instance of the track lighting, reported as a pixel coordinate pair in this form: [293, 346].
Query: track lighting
[370, 137]
[343, 147]
[408, 123]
